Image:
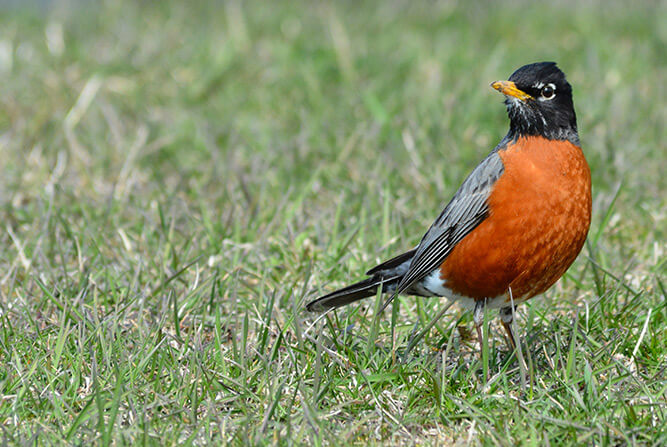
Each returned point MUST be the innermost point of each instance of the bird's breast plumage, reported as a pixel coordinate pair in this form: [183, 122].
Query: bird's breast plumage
[539, 216]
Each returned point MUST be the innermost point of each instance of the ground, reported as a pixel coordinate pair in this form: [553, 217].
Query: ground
[179, 178]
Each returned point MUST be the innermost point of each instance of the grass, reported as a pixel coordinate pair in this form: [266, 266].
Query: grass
[178, 180]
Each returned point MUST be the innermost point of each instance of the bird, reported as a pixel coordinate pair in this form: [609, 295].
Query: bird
[516, 223]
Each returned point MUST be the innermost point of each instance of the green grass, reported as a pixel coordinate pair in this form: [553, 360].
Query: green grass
[178, 180]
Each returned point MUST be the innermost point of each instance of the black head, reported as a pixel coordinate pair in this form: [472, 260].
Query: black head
[539, 102]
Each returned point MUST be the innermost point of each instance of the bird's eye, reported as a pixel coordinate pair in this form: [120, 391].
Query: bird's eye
[548, 91]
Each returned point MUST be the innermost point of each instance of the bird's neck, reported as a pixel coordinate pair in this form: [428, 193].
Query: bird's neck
[519, 128]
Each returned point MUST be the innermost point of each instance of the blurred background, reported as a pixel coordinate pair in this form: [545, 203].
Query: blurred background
[232, 105]
[224, 158]
[264, 121]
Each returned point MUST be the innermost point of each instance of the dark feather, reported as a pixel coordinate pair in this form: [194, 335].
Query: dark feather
[346, 295]
[393, 263]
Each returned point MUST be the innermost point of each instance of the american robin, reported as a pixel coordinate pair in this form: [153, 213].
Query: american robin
[515, 224]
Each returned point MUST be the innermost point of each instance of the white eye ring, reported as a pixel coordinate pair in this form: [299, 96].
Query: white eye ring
[548, 91]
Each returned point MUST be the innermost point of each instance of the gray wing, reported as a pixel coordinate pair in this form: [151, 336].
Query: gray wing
[463, 213]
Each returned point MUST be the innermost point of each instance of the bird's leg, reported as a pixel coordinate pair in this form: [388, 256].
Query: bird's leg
[478, 318]
[506, 318]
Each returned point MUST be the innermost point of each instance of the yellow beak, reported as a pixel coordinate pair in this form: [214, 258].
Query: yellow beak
[509, 88]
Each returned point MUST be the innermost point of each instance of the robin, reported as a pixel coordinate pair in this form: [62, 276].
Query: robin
[516, 223]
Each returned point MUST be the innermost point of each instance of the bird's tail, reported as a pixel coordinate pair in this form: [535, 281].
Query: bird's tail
[388, 274]
[357, 291]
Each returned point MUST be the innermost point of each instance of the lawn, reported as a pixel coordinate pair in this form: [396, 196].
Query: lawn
[179, 178]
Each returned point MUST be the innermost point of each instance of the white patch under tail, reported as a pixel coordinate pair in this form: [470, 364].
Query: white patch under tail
[434, 284]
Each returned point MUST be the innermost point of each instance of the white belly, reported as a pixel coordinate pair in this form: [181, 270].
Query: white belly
[438, 287]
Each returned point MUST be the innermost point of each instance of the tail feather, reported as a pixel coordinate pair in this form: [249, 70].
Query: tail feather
[357, 291]
[398, 263]
[389, 274]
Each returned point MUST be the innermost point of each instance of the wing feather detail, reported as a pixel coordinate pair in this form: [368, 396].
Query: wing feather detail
[467, 209]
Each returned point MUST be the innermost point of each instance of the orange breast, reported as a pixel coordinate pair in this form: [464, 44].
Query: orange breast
[540, 212]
